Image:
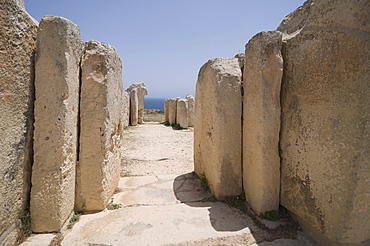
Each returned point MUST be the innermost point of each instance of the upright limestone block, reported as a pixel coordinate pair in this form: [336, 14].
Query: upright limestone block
[101, 120]
[58, 53]
[182, 113]
[191, 109]
[261, 127]
[166, 109]
[217, 126]
[17, 44]
[134, 107]
[325, 135]
[125, 109]
[172, 110]
[141, 92]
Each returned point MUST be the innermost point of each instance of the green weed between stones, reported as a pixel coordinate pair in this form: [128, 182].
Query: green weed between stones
[272, 215]
[73, 220]
[113, 206]
[25, 226]
[204, 181]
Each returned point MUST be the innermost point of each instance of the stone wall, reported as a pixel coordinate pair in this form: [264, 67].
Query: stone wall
[180, 111]
[57, 83]
[101, 130]
[218, 126]
[319, 133]
[17, 41]
[325, 120]
[42, 121]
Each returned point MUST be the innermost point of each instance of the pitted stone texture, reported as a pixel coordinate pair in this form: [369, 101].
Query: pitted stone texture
[125, 109]
[191, 109]
[166, 109]
[325, 121]
[296, 20]
[17, 42]
[217, 126]
[261, 127]
[182, 113]
[58, 53]
[141, 92]
[98, 169]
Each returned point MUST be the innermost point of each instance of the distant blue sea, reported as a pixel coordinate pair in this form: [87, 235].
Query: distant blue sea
[157, 103]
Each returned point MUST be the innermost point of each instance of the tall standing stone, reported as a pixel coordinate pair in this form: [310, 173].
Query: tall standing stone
[134, 107]
[141, 92]
[191, 109]
[125, 108]
[17, 47]
[166, 109]
[217, 126]
[182, 113]
[172, 110]
[261, 127]
[98, 169]
[58, 53]
[325, 135]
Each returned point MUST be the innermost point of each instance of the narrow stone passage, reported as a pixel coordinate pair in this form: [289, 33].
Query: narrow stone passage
[160, 201]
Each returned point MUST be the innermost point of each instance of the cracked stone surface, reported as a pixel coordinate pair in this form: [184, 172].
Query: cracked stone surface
[161, 207]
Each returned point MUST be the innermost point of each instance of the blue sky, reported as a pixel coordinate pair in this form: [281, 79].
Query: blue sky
[165, 42]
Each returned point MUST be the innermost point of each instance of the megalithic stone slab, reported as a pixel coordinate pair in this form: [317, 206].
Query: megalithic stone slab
[17, 41]
[191, 109]
[172, 110]
[125, 109]
[166, 109]
[218, 126]
[261, 113]
[58, 54]
[325, 134]
[98, 169]
[134, 107]
[182, 113]
[141, 93]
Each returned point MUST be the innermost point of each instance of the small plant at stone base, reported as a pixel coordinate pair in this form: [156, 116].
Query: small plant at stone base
[166, 123]
[25, 226]
[272, 215]
[73, 220]
[113, 206]
[204, 181]
[177, 127]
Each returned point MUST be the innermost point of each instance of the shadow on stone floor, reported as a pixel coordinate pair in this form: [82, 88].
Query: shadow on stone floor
[188, 190]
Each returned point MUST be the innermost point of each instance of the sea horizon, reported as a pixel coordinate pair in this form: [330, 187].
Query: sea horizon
[154, 102]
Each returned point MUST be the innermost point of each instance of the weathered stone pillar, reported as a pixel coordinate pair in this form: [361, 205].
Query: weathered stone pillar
[17, 42]
[98, 170]
[217, 126]
[134, 107]
[59, 49]
[191, 109]
[172, 110]
[166, 110]
[182, 113]
[141, 92]
[261, 127]
[126, 108]
[325, 134]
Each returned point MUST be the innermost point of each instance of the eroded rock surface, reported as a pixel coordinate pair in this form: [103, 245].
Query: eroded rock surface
[101, 120]
[182, 113]
[261, 126]
[58, 53]
[325, 121]
[18, 43]
[217, 126]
